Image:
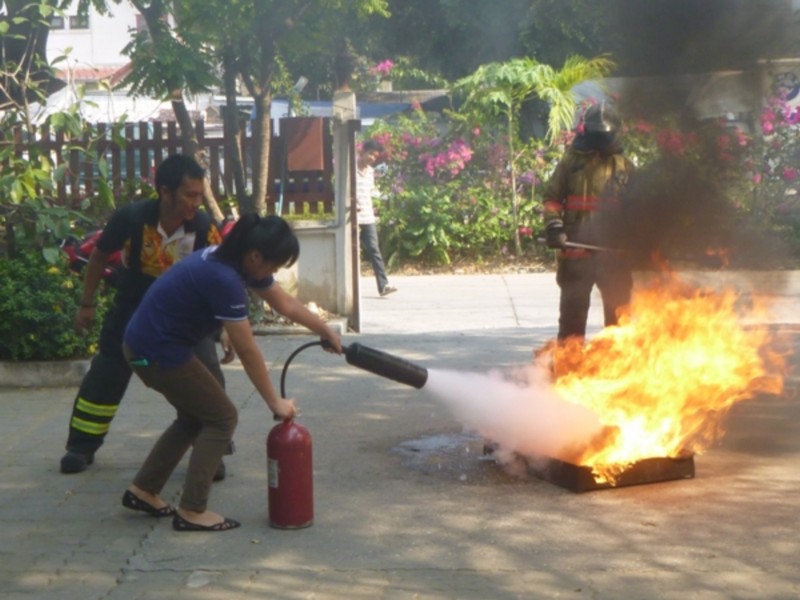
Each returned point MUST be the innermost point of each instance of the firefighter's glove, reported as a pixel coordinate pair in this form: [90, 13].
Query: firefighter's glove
[554, 234]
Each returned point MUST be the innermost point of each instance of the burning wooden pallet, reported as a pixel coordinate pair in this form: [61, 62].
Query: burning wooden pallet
[579, 479]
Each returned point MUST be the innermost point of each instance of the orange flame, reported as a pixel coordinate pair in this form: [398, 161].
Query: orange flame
[663, 380]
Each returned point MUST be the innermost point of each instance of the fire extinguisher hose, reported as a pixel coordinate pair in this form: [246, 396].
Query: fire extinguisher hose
[289, 361]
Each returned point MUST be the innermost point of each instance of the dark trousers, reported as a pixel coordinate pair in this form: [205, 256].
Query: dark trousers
[368, 234]
[104, 385]
[206, 419]
[576, 277]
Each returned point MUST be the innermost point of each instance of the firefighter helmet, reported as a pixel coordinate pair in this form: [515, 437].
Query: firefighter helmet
[601, 118]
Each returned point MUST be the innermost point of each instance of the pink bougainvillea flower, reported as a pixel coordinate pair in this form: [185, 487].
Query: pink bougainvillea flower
[383, 138]
[384, 67]
[411, 140]
[726, 157]
[757, 178]
[450, 161]
[525, 231]
[671, 141]
[789, 174]
[741, 138]
[691, 139]
[527, 177]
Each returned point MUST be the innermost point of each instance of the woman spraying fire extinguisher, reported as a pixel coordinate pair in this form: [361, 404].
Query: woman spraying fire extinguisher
[182, 306]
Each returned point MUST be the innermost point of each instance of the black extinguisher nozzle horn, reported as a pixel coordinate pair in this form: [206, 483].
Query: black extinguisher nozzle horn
[372, 360]
[386, 365]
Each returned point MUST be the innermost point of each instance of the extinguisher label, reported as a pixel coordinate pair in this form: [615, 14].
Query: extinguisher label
[272, 472]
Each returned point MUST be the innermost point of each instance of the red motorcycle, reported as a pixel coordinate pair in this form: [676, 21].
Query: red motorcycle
[78, 252]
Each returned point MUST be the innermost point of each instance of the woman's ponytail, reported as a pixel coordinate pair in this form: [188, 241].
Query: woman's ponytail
[235, 243]
[271, 236]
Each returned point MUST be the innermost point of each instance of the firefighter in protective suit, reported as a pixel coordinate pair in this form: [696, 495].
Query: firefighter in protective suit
[580, 200]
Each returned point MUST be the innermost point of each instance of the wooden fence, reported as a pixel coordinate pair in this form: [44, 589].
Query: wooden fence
[148, 143]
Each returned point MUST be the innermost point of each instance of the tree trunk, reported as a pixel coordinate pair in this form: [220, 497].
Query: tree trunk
[262, 133]
[233, 148]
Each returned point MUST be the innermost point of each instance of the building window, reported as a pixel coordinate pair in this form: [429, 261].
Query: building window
[56, 22]
[79, 22]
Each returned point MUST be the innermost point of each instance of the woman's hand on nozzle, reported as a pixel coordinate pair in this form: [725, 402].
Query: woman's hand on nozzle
[332, 343]
[285, 409]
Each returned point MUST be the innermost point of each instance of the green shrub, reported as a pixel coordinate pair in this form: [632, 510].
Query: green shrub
[38, 301]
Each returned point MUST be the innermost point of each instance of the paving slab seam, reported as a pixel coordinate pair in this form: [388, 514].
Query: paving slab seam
[510, 297]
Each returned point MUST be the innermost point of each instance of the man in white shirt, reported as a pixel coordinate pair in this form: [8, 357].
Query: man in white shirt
[368, 231]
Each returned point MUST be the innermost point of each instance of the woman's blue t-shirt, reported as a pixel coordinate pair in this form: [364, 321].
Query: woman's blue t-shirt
[186, 304]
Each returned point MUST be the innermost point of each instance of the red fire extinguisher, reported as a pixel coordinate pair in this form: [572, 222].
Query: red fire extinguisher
[289, 464]
[290, 476]
[290, 472]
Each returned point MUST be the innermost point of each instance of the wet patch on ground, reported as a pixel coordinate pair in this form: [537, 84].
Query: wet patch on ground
[458, 456]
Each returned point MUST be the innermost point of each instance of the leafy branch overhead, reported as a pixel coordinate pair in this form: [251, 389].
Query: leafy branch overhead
[164, 63]
[502, 88]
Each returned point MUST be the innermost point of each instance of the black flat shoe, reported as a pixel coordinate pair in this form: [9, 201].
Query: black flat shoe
[181, 524]
[130, 500]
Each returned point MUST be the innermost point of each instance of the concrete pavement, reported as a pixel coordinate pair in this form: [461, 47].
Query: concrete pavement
[405, 507]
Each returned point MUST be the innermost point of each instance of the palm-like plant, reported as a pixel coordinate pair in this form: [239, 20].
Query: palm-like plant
[500, 89]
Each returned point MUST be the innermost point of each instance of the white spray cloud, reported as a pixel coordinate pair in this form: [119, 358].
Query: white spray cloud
[518, 410]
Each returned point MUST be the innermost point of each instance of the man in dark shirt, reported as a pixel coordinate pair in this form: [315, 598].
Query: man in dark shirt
[152, 235]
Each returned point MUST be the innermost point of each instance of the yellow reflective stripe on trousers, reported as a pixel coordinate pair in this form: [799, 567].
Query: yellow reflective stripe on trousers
[97, 410]
[89, 427]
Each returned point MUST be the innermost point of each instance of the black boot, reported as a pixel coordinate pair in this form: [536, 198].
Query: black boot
[76, 462]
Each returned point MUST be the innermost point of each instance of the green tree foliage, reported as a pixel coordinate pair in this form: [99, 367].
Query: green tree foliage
[646, 38]
[552, 30]
[31, 217]
[455, 37]
[193, 43]
[164, 62]
[448, 37]
[25, 77]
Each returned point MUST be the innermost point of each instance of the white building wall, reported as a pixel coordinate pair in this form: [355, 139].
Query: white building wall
[98, 46]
